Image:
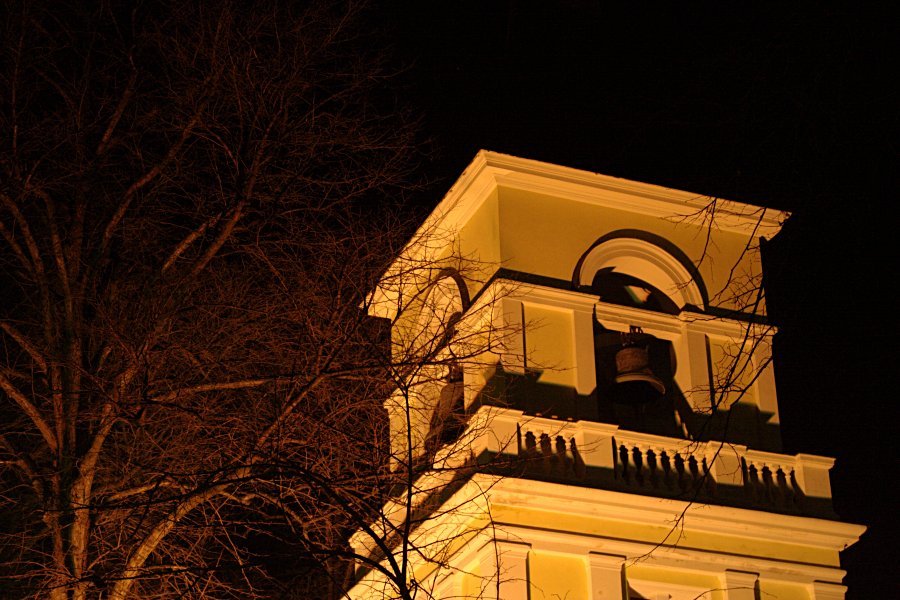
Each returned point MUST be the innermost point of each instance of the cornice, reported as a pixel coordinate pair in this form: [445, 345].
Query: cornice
[634, 196]
[490, 171]
[633, 508]
[626, 552]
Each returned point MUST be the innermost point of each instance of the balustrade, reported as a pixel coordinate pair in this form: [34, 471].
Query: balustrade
[662, 468]
[660, 465]
[557, 454]
[770, 483]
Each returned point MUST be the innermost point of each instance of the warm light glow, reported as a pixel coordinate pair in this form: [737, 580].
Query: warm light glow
[573, 503]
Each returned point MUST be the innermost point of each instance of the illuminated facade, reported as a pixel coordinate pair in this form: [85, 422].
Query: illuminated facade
[601, 357]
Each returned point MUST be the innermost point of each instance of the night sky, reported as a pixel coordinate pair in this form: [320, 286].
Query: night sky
[794, 108]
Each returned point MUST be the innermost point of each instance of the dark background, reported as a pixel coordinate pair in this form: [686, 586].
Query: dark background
[790, 106]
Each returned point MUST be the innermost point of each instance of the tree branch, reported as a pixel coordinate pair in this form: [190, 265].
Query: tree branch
[27, 346]
[31, 411]
[127, 94]
[145, 179]
[212, 387]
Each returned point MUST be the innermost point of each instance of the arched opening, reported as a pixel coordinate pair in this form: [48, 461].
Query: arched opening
[433, 408]
[646, 269]
[439, 310]
[638, 270]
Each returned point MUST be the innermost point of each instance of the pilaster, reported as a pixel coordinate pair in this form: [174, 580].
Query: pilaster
[739, 585]
[606, 576]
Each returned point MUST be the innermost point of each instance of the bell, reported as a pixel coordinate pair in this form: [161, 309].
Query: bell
[633, 374]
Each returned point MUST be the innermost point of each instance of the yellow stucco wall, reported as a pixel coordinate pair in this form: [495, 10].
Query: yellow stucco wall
[479, 243]
[544, 235]
[706, 584]
[555, 575]
[549, 343]
[732, 377]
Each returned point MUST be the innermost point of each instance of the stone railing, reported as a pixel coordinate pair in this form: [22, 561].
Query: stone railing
[658, 465]
[603, 455]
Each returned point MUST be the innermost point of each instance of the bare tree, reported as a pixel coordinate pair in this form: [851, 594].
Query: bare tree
[191, 391]
[191, 388]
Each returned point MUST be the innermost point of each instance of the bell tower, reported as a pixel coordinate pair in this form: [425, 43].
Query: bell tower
[591, 412]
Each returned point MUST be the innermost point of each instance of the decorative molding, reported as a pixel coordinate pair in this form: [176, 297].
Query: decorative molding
[646, 261]
[489, 171]
[648, 510]
[822, 590]
[604, 190]
[676, 558]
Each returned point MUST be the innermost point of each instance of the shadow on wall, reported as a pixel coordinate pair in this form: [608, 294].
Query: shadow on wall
[630, 407]
[553, 457]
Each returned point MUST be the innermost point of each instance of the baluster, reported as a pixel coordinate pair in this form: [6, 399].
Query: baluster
[547, 453]
[745, 477]
[666, 464]
[753, 483]
[638, 465]
[562, 459]
[798, 493]
[694, 472]
[784, 491]
[652, 468]
[623, 458]
[768, 487]
[679, 472]
[530, 445]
